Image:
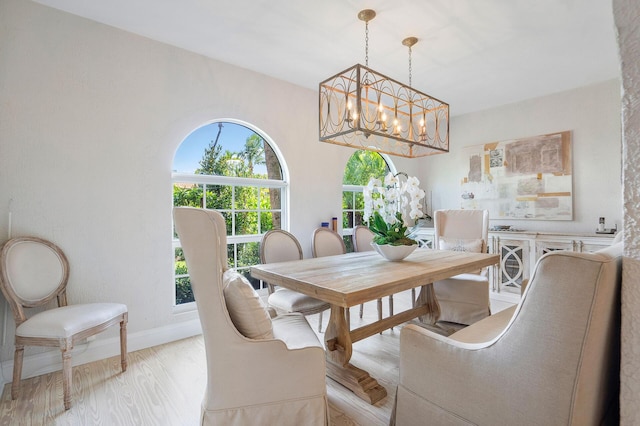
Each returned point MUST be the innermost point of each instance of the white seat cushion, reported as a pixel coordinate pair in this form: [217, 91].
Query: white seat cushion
[292, 301]
[294, 330]
[66, 321]
[247, 311]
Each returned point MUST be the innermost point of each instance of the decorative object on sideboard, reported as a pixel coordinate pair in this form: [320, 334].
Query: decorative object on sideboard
[468, 195]
[505, 228]
[602, 230]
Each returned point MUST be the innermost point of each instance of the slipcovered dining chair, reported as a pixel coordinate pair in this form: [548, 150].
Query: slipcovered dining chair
[553, 359]
[463, 299]
[278, 245]
[362, 238]
[260, 370]
[34, 272]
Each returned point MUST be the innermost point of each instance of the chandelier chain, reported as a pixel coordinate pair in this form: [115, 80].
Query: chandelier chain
[410, 85]
[366, 43]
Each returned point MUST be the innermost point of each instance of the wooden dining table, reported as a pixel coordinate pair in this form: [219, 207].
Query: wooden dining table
[354, 278]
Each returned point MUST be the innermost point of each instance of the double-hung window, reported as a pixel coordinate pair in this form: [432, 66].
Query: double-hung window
[235, 169]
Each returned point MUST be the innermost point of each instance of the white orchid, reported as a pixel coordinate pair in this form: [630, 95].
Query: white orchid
[389, 207]
[412, 184]
[374, 183]
[390, 180]
[416, 210]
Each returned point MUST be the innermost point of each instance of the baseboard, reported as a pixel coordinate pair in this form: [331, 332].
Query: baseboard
[505, 297]
[97, 349]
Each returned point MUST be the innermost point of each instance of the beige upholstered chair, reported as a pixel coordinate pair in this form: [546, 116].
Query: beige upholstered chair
[34, 272]
[277, 377]
[278, 245]
[552, 359]
[362, 238]
[463, 299]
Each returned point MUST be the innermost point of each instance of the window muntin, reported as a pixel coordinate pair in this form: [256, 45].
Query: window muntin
[240, 173]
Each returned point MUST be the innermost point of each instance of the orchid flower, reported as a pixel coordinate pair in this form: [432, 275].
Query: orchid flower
[389, 207]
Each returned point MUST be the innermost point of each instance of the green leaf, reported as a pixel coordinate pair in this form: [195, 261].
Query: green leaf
[389, 234]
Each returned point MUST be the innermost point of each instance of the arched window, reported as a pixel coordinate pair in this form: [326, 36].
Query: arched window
[360, 167]
[236, 169]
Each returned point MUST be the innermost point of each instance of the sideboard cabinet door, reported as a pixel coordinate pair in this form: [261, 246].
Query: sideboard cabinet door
[547, 246]
[514, 266]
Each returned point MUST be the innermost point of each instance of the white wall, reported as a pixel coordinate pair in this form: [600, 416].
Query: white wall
[592, 114]
[91, 117]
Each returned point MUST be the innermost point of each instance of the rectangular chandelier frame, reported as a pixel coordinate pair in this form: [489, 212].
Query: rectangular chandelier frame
[364, 109]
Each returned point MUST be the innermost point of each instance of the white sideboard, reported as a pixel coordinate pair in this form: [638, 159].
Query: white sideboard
[519, 251]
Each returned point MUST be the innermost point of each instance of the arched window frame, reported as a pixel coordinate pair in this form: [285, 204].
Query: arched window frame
[233, 240]
[347, 232]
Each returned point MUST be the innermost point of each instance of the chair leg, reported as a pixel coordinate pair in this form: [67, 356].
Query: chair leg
[66, 375]
[123, 343]
[413, 297]
[391, 305]
[320, 322]
[361, 310]
[17, 371]
[380, 311]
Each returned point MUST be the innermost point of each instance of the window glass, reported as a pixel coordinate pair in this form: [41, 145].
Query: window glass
[233, 168]
[360, 167]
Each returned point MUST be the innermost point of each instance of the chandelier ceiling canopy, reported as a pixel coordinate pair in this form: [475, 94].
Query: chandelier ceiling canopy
[364, 109]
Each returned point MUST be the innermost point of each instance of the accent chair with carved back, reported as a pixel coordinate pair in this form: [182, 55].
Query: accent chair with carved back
[362, 238]
[35, 271]
[278, 245]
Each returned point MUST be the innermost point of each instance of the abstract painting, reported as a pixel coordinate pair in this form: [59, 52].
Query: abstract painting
[527, 178]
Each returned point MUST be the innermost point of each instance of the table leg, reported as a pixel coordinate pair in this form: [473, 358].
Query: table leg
[339, 350]
[337, 337]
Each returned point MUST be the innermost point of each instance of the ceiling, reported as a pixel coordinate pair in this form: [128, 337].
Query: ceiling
[471, 54]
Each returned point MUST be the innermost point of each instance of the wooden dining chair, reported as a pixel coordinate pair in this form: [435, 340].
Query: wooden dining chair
[362, 239]
[278, 245]
[34, 271]
[325, 242]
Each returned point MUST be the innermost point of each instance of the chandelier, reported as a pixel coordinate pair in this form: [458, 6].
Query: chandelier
[364, 109]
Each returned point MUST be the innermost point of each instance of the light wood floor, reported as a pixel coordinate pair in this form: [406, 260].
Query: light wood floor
[164, 385]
